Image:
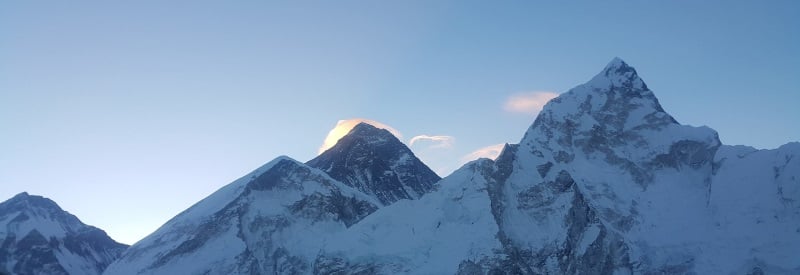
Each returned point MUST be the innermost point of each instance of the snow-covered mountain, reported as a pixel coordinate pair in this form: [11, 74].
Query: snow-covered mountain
[603, 182]
[376, 163]
[271, 221]
[277, 218]
[38, 237]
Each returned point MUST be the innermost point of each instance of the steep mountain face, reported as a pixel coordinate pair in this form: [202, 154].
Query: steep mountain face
[645, 194]
[604, 181]
[755, 205]
[376, 163]
[271, 221]
[38, 237]
[599, 174]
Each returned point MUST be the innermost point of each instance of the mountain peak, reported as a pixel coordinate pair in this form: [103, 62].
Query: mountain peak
[41, 238]
[364, 126]
[616, 63]
[21, 197]
[619, 74]
[614, 109]
[375, 162]
[28, 200]
[369, 130]
[618, 69]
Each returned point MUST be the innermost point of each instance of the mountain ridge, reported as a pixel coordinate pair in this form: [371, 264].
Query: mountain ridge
[38, 236]
[276, 217]
[604, 181]
[594, 187]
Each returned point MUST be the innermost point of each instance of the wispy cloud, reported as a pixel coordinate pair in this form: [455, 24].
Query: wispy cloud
[490, 152]
[344, 126]
[528, 102]
[438, 141]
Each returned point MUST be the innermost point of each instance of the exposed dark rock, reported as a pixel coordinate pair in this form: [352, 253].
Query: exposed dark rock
[375, 162]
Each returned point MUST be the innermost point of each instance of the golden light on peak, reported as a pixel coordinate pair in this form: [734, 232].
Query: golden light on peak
[344, 126]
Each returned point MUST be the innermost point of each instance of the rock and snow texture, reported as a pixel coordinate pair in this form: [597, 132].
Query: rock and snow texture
[608, 182]
[376, 163]
[278, 218]
[444, 229]
[271, 221]
[38, 237]
[603, 182]
[755, 205]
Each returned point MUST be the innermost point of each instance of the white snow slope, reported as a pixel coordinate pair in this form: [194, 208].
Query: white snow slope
[431, 235]
[270, 221]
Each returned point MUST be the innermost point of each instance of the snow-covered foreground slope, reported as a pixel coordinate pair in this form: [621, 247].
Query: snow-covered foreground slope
[431, 235]
[755, 204]
[37, 237]
[603, 182]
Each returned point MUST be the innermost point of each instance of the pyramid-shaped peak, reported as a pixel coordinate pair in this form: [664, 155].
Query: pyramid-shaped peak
[377, 163]
[618, 68]
[617, 63]
[619, 74]
[614, 108]
[369, 134]
[364, 128]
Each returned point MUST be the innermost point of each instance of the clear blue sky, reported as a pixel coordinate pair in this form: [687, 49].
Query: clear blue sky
[127, 113]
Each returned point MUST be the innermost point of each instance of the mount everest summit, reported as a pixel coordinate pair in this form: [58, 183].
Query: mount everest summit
[276, 219]
[603, 182]
[376, 163]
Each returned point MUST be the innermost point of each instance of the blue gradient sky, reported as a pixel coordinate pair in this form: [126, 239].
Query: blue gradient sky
[127, 113]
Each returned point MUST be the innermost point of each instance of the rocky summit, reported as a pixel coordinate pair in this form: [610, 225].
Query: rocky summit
[376, 163]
